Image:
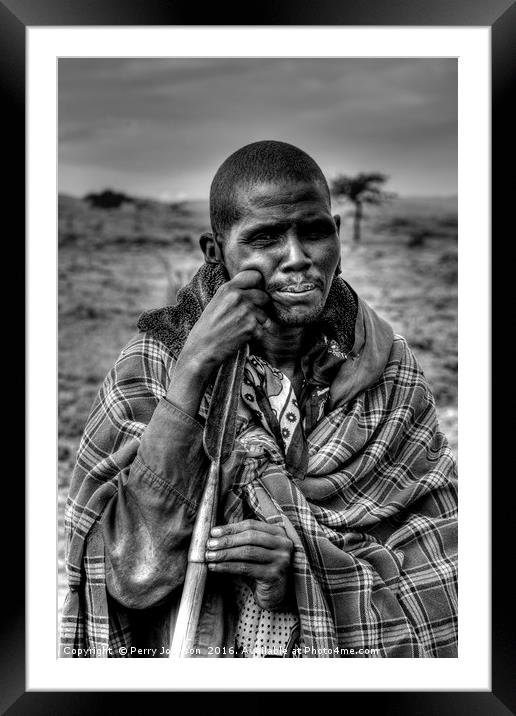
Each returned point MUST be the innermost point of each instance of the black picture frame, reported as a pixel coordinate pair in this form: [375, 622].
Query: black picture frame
[500, 16]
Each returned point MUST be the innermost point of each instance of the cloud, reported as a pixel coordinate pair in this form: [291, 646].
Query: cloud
[170, 122]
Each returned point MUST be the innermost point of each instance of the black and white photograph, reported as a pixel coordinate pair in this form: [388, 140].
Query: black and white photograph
[257, 358]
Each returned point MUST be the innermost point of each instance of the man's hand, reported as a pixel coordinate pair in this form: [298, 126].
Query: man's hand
[233, 317]
[253, 549]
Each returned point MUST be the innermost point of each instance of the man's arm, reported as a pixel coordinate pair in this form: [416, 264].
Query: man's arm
[148, 522]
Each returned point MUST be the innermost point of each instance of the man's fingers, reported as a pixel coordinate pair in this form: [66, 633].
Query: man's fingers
[267, 323]
[236, 527]
[252, 537]
[258, 297]
[243, 553]
[261, 316]
[250, 278]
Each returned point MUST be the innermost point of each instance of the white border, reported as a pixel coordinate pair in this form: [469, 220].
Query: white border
[471, 671]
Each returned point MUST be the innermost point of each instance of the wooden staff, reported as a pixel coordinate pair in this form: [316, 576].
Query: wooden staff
[219, 436]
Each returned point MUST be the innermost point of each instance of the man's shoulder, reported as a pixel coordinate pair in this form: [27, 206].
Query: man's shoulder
[400, 345]
[170, 325]
[401, 354]
[402, 350]
[143, 364]
[144, 346]
[403, 368]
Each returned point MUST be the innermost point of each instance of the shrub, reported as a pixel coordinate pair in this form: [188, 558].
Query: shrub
[108, 199]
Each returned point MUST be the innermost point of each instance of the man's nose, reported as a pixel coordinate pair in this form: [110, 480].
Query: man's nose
[296, 258]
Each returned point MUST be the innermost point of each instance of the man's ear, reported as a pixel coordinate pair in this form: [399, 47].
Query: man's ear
[336, 219]
[211, 248]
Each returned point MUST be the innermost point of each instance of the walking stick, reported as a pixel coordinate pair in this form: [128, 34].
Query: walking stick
[219, 434]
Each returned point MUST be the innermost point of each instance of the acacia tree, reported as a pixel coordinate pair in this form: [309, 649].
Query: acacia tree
[364, 188]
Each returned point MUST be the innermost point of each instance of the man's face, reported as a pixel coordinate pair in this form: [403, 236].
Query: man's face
[286, 232]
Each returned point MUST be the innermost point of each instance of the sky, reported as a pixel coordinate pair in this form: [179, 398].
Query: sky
[161, 127]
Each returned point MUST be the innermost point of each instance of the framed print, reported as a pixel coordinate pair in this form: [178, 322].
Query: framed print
[61, 44]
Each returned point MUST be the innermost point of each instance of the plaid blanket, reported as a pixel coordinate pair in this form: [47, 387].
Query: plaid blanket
[373, 518]
[373, 522]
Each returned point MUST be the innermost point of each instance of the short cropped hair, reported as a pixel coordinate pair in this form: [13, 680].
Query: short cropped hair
[265, 161]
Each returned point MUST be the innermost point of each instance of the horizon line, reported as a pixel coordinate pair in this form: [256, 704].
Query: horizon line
[206, 199]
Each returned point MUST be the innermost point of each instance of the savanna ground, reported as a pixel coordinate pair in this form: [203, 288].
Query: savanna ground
[116, 263]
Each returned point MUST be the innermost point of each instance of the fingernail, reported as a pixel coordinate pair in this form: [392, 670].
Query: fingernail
[212, 543]
[211, 555]
[216, 531]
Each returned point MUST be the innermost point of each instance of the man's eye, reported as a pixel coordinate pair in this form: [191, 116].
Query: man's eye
[317, 232]
[262, 238]
[315, 235]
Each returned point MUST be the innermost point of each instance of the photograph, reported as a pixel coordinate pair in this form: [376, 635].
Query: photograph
[257, 357]
[260, 330]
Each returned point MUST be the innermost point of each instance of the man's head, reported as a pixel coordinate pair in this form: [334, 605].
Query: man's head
[270, 210]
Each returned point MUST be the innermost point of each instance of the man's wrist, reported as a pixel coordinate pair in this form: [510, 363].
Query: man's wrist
[189, 382]
[195, 366]
[273, 596]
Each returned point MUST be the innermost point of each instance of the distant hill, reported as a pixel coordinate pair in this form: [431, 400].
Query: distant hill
[145, 221]
[200, 206]
[142, 221]
[411, 206]
[448, 203]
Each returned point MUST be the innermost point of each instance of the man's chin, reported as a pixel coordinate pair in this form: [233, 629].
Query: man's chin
[297, 315]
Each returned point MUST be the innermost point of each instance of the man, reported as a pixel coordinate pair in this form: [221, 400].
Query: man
[337, 513]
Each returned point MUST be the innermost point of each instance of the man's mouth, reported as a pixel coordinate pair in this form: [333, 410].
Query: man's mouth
[298, 288]
[299, 292]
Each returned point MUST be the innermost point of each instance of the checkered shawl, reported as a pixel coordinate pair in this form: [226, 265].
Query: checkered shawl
[373, 521]
[93, 625]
